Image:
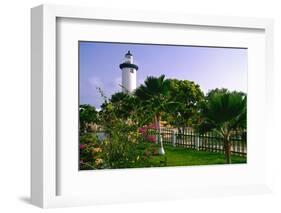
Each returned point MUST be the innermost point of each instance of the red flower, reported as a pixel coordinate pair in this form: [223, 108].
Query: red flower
[82, 146]
[142, 130]
[151, 138]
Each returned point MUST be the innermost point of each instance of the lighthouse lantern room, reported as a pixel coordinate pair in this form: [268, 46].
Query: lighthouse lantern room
[129, 73]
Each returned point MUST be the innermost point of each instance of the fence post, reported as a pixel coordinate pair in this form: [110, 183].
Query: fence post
[197, 143]
[174, 138]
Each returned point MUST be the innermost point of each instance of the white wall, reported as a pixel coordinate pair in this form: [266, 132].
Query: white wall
[15, 98]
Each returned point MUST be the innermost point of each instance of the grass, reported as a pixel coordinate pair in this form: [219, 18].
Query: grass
[176, 156]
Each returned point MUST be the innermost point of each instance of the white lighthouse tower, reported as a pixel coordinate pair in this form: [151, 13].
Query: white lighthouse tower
[129, 73]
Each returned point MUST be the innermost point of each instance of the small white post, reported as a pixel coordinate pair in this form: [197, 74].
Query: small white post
[174, 138]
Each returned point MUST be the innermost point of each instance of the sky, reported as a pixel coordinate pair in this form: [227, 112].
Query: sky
[210, 67]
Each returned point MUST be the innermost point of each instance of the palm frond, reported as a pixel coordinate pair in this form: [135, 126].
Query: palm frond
[227, 110]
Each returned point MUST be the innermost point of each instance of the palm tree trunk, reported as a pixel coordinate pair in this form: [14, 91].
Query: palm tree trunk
[161, 149]
[227, 148]
[157, 130]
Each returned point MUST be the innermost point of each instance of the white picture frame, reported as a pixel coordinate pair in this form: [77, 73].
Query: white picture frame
[45, 167]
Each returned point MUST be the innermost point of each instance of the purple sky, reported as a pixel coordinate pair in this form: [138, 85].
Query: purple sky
[209, 67]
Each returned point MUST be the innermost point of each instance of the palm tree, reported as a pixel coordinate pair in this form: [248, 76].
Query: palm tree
[225, 113]
[154, 94]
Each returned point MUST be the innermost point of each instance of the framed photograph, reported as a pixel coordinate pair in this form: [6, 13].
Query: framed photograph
[130, 106]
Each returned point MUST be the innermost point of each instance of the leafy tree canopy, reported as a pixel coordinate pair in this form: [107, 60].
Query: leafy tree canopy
[187, 95]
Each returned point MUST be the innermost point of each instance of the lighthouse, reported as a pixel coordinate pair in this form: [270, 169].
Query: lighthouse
[129, 73]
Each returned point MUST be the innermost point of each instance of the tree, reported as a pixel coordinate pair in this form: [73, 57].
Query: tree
[216, 91]
[121, 146]
[224, 112]
[128, 108]
[124, 104]
[223, 91]
[154, 97]
[87, 115]
[187, 94]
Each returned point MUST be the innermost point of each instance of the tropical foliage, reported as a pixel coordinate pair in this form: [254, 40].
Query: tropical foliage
[132, 122]
[224, 112]
[154, 95]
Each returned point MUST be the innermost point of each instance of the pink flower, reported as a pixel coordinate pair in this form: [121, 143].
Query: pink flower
[142, 130]
[151, 138]
[82, 146]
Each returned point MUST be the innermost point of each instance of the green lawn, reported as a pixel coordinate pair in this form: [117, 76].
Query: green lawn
[186, 157]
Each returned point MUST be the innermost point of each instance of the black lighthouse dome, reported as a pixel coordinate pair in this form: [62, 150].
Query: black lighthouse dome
[129, 53]
[128, 64]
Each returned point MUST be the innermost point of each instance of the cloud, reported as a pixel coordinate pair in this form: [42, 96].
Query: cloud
[96, 82]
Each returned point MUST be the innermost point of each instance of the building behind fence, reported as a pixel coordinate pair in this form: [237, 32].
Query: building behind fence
[206, 142]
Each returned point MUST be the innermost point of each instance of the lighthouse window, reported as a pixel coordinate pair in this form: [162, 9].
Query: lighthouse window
[132, 70]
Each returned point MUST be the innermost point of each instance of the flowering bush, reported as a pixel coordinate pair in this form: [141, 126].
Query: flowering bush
[122, 146]
[149, 132]
[125, 145]
[91, 152]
